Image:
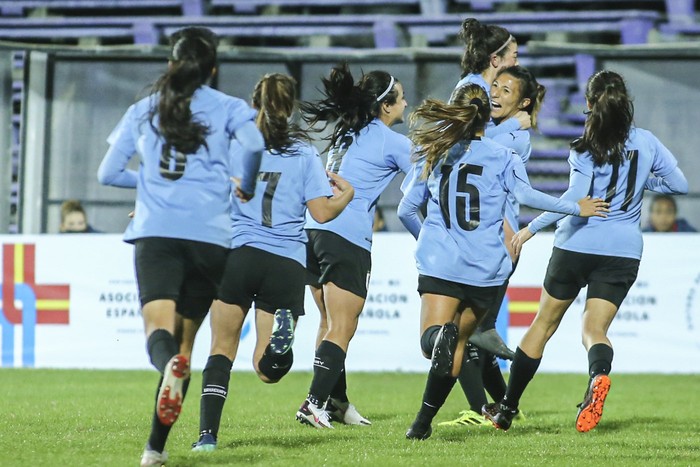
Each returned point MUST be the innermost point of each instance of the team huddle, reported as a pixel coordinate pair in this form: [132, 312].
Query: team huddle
[234, 209]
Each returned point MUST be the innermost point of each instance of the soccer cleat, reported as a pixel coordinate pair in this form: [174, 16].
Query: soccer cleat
[169, 401]
[151, 458]
[590, 410]
[206, 443]
[282, 336]
[310, 414]
[419, 431]
[345, 412]
[444, 350]
[491, 341]
[467, 418]
[500, 415]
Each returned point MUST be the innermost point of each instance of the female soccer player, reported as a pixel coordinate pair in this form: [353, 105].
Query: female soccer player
[181, 228]
[460, 254]
[268, 256]
[488, 50]
[365, 151]
[618, 161]
[514, 90]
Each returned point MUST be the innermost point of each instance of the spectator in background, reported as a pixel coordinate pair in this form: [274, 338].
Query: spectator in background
[74, 219]
[663, 213]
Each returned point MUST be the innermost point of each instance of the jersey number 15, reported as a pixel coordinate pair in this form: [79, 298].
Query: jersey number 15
[464, 189]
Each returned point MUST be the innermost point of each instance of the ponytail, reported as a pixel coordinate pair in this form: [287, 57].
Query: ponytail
[447, 124]
[192, 63]
[609, 121]
[480, 42]
[352, 105]
[275, 98]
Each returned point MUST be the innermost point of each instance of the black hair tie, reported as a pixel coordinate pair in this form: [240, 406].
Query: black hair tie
[477, 102]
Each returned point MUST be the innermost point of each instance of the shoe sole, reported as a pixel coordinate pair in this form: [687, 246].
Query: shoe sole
[170, 393]
[422, 437]
[204, 448]
[589, 417]
[282, 338]
[305, 419]
[442, 359]
[494, 422]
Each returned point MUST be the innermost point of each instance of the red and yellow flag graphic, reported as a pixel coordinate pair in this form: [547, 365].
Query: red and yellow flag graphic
[523, 303]
[52, 301]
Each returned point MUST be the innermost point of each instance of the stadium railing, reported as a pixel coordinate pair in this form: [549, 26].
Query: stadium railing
[21, 7]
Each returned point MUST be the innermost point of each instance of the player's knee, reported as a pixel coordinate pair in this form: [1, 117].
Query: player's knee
[427, 340]
[272, 368]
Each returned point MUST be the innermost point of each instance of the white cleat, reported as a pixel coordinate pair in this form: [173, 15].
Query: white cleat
[345, 412]
[309, 414]
[153, 458]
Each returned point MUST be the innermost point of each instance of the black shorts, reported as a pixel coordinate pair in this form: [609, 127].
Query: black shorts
[607, 277]
[186, 271]
[331, 258]
[477, 298]
[271, 281]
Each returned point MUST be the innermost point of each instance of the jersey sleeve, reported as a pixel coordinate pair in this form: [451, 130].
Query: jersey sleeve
[518, 141]
[668, 177]
[399, 154]
[507, 126]
[122, 147]
[415, 194]
[239, 112]
[517, 182]
[580, 177]
[316, 183]
[251, 147]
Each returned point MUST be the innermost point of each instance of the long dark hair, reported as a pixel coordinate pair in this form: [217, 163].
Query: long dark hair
[480, 42]
[192, 63]
[609, 121]
[352, 105]
[529, 89]
[445, 124]
[275, 98]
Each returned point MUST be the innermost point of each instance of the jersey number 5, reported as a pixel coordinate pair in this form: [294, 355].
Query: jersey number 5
[463, 189]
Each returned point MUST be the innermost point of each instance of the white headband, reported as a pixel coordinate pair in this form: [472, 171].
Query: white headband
[505, 44]
[391, 85]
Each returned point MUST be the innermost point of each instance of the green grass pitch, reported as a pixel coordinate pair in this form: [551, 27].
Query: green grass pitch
[76, 418]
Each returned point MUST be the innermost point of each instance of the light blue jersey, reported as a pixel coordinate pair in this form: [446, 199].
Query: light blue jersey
[274, 219]
[623, 187]
[519, 141]
[368, 161]
[183, 196]
[461, 239]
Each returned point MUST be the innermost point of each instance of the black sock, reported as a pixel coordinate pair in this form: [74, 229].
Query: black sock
[161, 348]
[600, 358]
[489, 321]
[522, 370]
[215, 379]
[329, 361]
[437, 388]
[159, 432]
[470, 379]
[494, 383]
[340, 390]
[275, 366]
